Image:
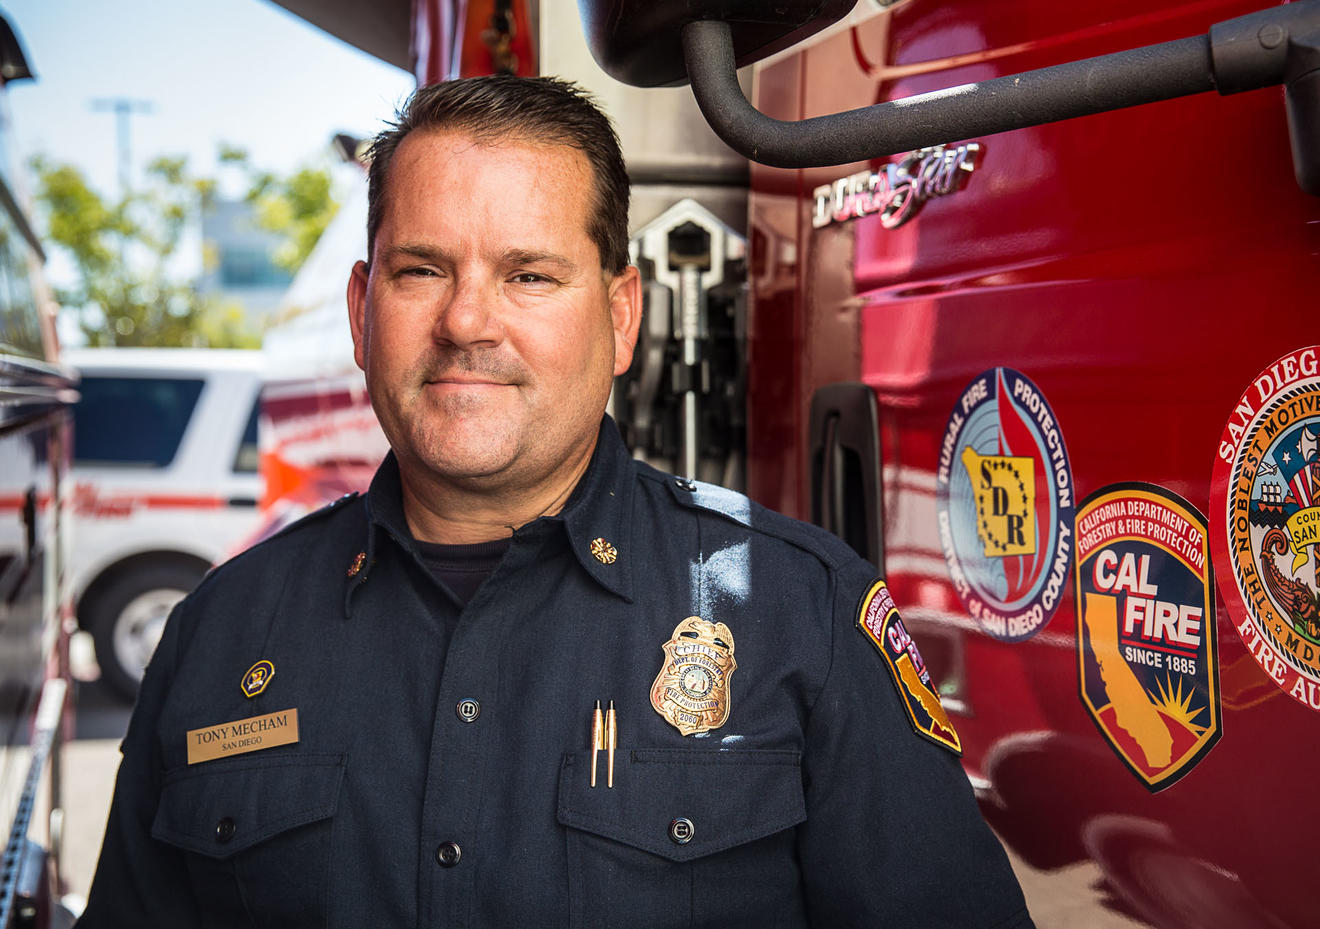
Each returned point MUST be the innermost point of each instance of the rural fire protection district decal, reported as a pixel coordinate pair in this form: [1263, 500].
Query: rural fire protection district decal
[1004, 493]
[1147, 664]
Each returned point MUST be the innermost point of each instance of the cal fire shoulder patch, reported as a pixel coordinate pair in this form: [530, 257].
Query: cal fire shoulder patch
[878, 620]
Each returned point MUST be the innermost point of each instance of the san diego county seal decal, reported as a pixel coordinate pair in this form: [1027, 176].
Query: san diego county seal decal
[1265, 522]
[1148, 669]
[1004, 493]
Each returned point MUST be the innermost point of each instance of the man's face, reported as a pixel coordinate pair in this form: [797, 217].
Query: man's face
[487, 329]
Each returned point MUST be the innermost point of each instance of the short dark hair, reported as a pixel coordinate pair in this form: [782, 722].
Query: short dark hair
[499, 107]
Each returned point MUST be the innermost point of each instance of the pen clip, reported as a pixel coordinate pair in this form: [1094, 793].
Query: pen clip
[597, 740]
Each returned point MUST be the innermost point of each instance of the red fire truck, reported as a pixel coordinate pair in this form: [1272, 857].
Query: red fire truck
[1032, 325]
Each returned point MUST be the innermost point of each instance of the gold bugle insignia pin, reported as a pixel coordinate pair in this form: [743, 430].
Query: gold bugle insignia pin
[692, 689]
[358, 561]
[257, 677]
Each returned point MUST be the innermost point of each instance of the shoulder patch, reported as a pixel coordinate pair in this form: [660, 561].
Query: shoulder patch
[878, 620]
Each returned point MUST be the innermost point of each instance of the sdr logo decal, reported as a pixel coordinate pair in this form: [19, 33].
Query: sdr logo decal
[1147, 664]
[1005, 496]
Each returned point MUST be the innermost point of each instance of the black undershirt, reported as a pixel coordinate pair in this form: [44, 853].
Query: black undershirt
[462, 568]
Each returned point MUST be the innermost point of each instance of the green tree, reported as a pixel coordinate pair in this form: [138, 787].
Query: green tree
[298, 207]
[130, 288]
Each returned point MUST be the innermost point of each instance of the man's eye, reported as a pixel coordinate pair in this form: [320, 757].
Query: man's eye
[528, 277]
[419, 272]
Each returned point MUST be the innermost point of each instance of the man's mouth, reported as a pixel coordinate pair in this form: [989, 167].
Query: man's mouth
[470, 372]
[468, 382]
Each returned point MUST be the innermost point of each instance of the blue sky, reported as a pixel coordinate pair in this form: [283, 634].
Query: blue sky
[239, 71]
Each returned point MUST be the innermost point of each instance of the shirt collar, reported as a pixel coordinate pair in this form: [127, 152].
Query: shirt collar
[595, 519]
[385, 508]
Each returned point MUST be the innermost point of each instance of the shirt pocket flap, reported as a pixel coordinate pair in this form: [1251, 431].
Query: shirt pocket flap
[683, 804]
[220, 808]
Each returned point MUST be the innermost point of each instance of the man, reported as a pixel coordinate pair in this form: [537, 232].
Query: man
[526, 681]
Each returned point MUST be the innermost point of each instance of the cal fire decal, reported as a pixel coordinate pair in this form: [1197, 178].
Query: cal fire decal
[1265, 521]
[878, 620]
[1005, 498]
[1148, 666]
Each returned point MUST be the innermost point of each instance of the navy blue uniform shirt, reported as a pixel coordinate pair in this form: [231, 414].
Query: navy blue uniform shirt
[441, 773]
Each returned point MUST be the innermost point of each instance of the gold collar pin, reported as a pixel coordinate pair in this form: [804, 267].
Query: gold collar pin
[603, 551]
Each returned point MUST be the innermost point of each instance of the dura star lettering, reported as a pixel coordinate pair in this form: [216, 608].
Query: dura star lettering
[1029, 398]
[1285, 371]
[1173, 631]
[898, 189]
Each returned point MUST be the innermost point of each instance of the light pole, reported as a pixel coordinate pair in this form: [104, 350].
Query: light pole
[123, 108]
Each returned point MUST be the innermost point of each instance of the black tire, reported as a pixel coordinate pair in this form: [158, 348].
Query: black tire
[127, 615]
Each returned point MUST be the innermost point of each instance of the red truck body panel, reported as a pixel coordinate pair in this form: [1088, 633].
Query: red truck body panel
[1141, 268]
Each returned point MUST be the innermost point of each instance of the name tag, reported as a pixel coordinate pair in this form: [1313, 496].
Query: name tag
[243, 735]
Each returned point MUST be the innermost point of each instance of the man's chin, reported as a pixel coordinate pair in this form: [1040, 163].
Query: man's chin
[467, 455]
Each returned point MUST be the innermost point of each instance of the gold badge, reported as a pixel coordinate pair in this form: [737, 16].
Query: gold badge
[243, 735]
[603, 551]
[692, 689]
[358, 561]
[257, 677]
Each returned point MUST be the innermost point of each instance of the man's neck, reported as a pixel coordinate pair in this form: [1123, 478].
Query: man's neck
[461, 513]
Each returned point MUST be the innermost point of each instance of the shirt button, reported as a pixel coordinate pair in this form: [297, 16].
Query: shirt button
[681, 830]
[224, 830]
[468, 710]
[447, 854]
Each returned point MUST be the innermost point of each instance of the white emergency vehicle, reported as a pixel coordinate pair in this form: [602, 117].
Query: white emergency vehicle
[165, 484]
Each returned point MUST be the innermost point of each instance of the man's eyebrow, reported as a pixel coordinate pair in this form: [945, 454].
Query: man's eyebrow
[412, 250]
[523, 256]
[509, 257]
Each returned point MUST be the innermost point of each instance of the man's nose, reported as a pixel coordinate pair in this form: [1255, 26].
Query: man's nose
[468, 315]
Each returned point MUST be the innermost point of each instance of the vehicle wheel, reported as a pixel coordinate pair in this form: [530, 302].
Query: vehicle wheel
[128, 616]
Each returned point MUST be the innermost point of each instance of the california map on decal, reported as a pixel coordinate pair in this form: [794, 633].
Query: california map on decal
[1133, 712]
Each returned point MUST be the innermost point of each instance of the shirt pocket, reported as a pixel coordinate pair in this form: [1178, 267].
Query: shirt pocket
[684, 838]
[255, 835]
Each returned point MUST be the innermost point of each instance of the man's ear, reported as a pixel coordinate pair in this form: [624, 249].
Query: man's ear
[357, 312]
[625, 291]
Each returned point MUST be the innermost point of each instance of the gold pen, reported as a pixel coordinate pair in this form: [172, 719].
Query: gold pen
[597, 740]
[611, 739]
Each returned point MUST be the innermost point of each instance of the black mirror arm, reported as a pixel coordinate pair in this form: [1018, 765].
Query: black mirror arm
[1275, 46]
